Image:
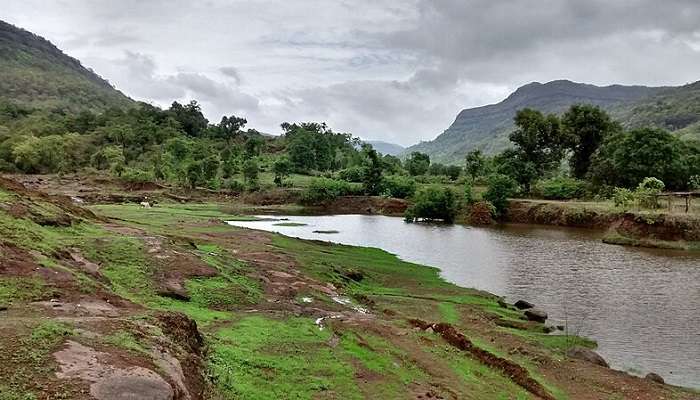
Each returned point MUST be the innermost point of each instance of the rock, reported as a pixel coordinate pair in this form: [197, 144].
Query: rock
[536, 315]
[582, 353]
[523, 305]
[654, 378]
[502, 303]
[3, 307]
[560, 327]
[174, 290]
[429, 330]
[136, 384]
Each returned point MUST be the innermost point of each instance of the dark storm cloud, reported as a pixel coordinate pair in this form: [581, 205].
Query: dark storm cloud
[381, 69]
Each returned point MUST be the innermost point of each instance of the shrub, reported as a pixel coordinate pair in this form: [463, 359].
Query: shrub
[481, 213]
[501, 187]
[235, 186]
[647, 191]
[694, 182]
[352, 174]
[134, 175]
[622, 197]
[561, 188]
[322, 190]
[468, 193]
[398, 186]
[432, 203]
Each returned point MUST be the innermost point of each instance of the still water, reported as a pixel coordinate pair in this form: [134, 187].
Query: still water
[641, 306]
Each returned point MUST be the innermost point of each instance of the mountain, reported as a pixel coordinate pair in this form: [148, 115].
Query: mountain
[386, 147]
[487, 127]
[36, 73]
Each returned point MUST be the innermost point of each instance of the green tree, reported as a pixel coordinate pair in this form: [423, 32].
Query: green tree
[250, 172]
[626, 158]
[417, 163]
[373, 165]
[254, 145]
[453, 171]
[474, 163]
[586, 126]
[282, 167]
[229, 128]
[539, 141]
[432, 203]
[190, 118]
[500, 189]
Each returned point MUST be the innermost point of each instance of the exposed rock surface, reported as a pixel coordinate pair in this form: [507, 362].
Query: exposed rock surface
[582, 353]
[536, 315]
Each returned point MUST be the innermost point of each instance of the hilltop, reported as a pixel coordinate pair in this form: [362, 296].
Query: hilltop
[35, 73]
[487, 127]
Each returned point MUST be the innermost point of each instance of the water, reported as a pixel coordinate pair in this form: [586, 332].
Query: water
[641, 306]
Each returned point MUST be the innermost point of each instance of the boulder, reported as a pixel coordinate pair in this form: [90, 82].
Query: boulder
[502, 303]
[654, 378]
[582, 353]
[523, 305]
[536, 315]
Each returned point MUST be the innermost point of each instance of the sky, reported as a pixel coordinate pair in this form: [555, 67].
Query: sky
[392, 70]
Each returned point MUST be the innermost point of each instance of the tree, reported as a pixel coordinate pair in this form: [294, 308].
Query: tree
[626, 158]
[587, 126]
[254, 144]
[540, 142]
[417, 163]
[437, 169]
[301, 152]
[511, 163]
[250, 172]
[230, 128]
[501, 187]
[190, 117]
[453, 171]
[432, 203]
[474, 163]
[372, 179]
[282, 167]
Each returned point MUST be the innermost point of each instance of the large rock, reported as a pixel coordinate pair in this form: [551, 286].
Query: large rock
[654, 378]
[582, 353]
[523, 305]
[536, 315]
[136, 384]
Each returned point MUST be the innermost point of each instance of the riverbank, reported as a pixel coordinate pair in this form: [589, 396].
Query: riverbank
[104, 299]
[654, 229]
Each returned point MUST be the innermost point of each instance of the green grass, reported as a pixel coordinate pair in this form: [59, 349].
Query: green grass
[13, 393]
[290, 224]
[22, 289]
[558, 343]
[265, 359]
[126, 340]
[449, 313]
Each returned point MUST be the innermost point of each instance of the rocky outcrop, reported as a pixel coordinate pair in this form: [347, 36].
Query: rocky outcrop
[536, 315]
[588, 355]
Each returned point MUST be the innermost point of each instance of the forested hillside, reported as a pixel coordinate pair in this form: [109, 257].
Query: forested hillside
[34, 73]
[487, 128]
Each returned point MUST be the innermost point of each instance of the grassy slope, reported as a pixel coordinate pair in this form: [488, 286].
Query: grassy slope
[262, 349]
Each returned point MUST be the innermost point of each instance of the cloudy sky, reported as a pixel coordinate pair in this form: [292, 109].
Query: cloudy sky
[394, 70]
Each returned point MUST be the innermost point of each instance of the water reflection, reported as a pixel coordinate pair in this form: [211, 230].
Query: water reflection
[642, 306]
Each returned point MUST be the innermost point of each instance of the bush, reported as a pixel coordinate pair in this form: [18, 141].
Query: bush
[501, 187]
[134, 175]
[481, 213]
[468, 193]
[322, 190]
[352, 174]
[397, 186]
[235, 186]
[561, 188]
[647, 191]
[622, 197]
[694, 182]
[432, 203]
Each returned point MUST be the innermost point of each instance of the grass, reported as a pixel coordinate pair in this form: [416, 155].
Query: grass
[266, 359]
[22, 289]
[290, 224]
[449, 313]
[126, 340]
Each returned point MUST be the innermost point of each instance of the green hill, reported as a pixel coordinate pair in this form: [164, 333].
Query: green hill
[487, 127]
[35, 73]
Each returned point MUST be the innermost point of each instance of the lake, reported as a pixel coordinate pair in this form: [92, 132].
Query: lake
[641, 306]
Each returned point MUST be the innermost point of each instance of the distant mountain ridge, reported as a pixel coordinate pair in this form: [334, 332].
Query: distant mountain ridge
[391, 149]
[487, 127]
[36, 73]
